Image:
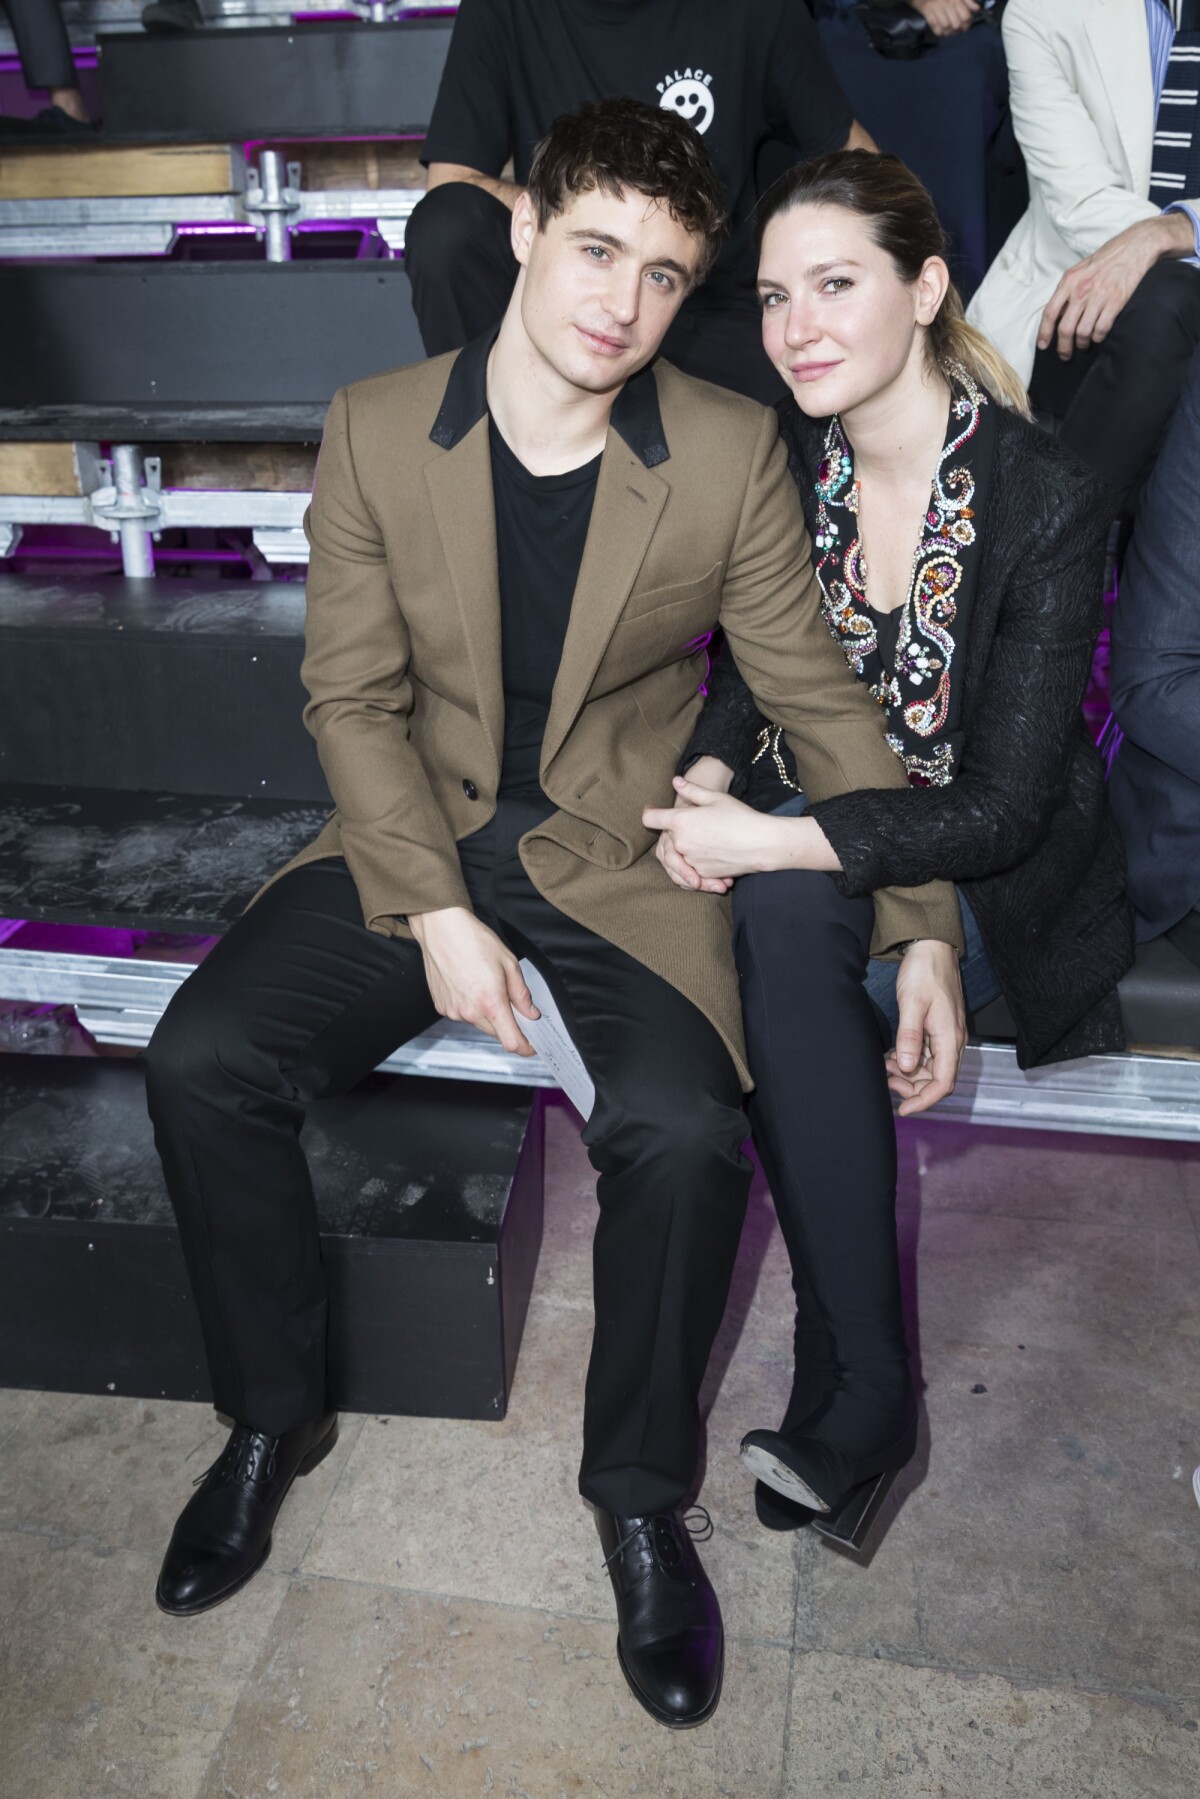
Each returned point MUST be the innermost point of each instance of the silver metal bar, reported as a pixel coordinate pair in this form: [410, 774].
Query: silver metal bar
[86, 240]
[183, 506]
[123, 209]
[282, 545]
[278, 516]
[46, 509]
[273, 202]
[131, 512]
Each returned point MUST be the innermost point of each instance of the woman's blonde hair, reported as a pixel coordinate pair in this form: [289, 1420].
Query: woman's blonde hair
[904, 222]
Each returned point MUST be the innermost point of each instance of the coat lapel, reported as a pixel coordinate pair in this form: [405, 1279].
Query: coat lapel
[628, 505]
[459, 484]
[1121, 43]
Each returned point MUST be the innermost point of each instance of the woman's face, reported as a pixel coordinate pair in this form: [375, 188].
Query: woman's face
[838, 322]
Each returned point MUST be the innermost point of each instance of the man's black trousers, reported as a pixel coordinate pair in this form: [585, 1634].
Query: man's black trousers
[42, 43]
[458, 254]
[1115, 401]
[301, 1000]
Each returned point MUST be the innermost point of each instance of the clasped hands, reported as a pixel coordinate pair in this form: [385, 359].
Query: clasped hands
[709, 838]
[705, 842]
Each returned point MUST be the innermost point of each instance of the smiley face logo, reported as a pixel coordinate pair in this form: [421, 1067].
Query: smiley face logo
[690, 96]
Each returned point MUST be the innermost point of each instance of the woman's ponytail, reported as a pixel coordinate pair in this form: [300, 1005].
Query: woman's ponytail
[953, 339]
[905, 223]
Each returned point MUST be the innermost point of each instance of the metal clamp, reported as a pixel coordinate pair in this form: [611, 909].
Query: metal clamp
[271, 201]
[128, 508]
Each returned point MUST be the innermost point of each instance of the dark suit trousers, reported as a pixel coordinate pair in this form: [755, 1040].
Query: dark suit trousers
[42, 43]
[459, 259]
[301, 1000]
[1115, 401]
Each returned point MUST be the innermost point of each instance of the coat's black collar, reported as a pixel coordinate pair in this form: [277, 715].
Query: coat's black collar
[635, 414]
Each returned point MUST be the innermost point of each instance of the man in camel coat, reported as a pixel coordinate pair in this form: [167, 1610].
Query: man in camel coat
[518, 553]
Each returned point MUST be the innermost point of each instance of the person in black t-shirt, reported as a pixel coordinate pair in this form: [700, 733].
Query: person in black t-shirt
[744, 75]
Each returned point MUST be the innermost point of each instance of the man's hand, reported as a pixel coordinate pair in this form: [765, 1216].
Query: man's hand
[1083, 307]
[473, 976]
[945, 17]
[923, 1067]
[713, 837]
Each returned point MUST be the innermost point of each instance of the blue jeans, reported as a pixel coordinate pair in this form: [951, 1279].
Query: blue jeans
[980, 985]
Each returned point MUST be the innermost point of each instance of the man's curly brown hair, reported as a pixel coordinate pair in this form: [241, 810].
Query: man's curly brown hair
[620, 144]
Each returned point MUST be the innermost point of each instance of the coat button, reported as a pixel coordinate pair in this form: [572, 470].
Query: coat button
[470, 789]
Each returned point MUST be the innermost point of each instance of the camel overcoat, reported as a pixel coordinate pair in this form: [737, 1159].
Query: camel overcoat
[696, 523]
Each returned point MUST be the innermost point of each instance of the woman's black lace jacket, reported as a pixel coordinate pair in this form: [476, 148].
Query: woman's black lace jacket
[1024, 827]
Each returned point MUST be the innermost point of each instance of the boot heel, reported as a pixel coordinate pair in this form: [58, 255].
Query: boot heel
[319, 1451]
[851, 1521]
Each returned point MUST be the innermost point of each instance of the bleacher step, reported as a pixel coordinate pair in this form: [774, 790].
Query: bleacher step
[430, 1202]
[154, 335]
[336, 78]
[142, 861]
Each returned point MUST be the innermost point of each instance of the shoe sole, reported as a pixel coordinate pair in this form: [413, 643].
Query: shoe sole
[668, 1718]
[780, 1478]
[765, 1500]
[312, 1460]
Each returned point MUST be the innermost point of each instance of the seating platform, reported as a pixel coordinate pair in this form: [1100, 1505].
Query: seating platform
[430, 1204]
[170, 825]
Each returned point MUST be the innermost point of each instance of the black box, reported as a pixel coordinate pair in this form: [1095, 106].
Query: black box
[430, 1197]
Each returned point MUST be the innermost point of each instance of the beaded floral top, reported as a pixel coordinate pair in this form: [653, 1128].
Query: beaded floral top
[919, 687]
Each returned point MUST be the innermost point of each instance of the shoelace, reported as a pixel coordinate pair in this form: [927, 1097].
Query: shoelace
[248, 1457]
[696, 1521]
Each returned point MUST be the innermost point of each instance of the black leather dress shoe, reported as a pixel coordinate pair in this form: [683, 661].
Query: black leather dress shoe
[223, 1536]
[670, 1639]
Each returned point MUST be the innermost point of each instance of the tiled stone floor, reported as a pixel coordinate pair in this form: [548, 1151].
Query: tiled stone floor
[434, 1622]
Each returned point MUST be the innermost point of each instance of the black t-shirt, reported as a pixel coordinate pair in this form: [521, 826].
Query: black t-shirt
[741, 70]
[541, 528]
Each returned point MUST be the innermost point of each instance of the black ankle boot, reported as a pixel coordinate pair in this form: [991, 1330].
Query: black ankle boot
[813, 1383]
[670, 1640]
[223, 1535]
[836, 1468]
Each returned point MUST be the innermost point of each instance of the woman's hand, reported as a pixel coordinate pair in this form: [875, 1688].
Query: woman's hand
[923, 1067]
[717, 838]
[709, 772]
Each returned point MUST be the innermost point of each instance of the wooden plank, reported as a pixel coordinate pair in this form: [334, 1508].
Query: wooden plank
[240, 468]
[327, 167]
[49, 469]
[96, 171]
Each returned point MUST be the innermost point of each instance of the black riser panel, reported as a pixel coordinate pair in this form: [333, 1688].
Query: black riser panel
[157, 685]
[430, 1196]
[339, 79]
[204, 334]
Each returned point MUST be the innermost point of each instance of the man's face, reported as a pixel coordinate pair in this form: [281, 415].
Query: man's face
[601, 284]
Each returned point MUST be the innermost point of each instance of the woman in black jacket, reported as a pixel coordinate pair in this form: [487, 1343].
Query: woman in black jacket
[905, 426]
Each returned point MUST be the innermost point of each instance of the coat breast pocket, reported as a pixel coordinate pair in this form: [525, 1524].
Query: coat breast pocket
[705, 588]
